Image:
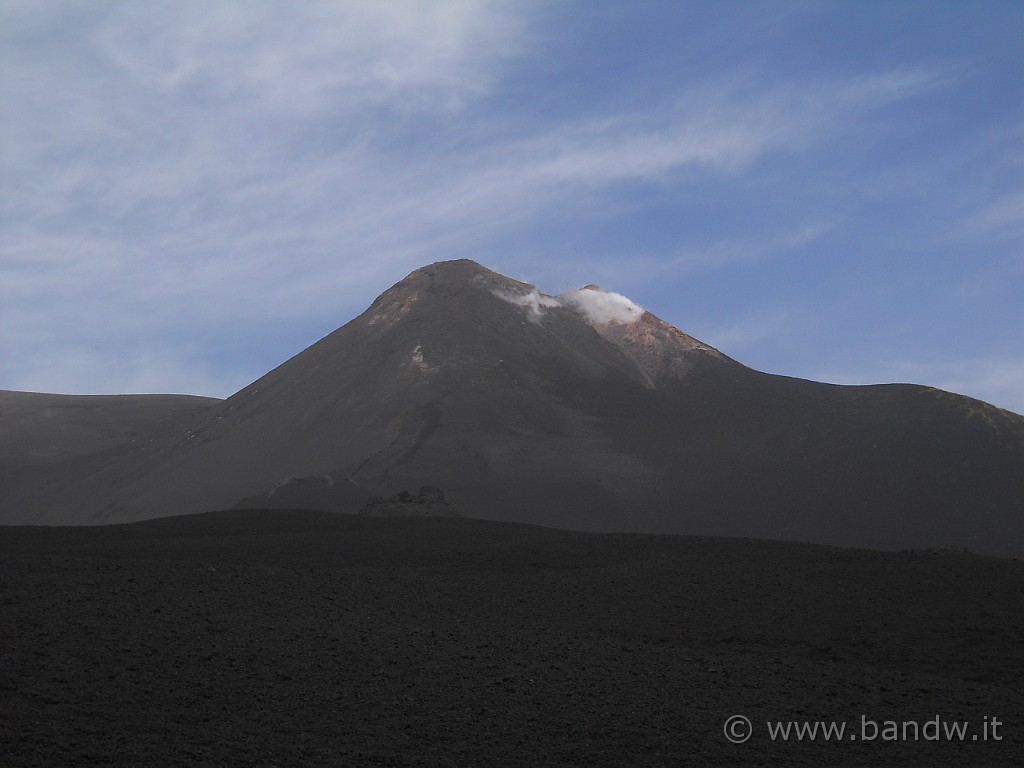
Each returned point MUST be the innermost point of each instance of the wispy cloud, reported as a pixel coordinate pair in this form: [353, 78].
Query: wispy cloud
[1001, 217]
[878, 89]
[168, 167]
[731, 251]
[317, 56]
[150, 369]
[742, 334]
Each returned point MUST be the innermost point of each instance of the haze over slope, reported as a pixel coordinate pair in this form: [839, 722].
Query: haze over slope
[580, 411]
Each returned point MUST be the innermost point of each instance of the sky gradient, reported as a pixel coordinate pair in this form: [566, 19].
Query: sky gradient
[194, 192]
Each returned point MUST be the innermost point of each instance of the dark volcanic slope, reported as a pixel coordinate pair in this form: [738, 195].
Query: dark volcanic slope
[522, 407]
[54, 441]
[37, 428]
[304, 638]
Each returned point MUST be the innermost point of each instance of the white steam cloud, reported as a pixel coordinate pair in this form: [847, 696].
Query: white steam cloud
[602, 306]
[598, 307]
[533, 301]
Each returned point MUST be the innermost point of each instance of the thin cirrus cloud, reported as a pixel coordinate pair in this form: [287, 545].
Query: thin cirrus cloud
[420, 54]
[1003, 217]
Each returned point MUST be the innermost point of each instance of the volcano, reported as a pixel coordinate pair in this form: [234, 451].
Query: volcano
[579, 411]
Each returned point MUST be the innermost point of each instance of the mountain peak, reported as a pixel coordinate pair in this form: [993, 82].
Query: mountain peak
[578, 410]
[465, 272]
[656, 348]
[596, 305]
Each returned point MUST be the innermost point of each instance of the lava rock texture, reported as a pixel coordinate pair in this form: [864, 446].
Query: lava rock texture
[263, 637]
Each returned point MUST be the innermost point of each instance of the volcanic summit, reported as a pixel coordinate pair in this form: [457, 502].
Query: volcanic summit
[579, 411]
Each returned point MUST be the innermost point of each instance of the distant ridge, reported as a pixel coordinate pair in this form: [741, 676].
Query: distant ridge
[38, 428]
[580, 411]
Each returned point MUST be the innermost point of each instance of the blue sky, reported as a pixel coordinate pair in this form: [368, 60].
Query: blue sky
[192, 192]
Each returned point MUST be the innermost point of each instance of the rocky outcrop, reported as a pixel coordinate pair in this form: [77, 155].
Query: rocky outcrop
[429, 502]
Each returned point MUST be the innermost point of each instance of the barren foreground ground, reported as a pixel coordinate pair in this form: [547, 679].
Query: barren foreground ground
[306, 639]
